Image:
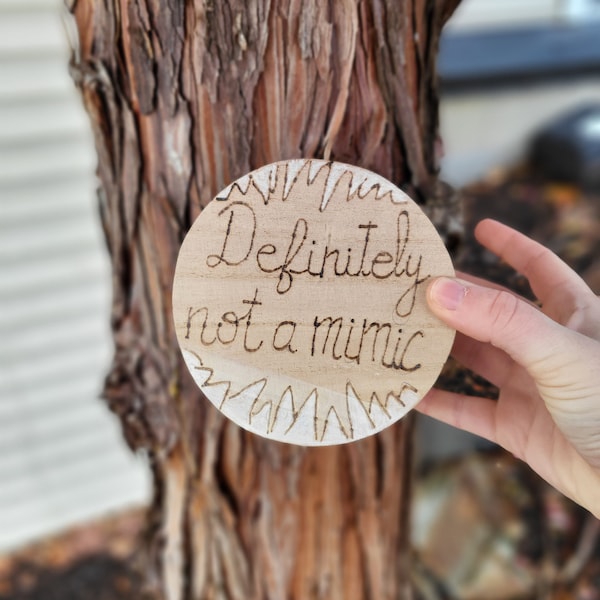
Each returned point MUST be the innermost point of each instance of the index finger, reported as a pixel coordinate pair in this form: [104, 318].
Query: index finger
[547, 274]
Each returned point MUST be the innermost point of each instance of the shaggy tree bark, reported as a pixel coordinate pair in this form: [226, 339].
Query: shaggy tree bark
[184, 96]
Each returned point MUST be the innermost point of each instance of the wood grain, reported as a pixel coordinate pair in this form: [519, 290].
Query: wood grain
[299, 302]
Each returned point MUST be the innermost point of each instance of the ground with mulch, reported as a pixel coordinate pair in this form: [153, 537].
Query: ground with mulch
[97, 561]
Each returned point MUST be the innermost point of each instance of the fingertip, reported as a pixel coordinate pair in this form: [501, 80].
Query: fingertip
[446, 294]
[485, 228]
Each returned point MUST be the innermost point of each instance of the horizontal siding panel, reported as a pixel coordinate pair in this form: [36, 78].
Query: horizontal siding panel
[52, 243]
[106, 429]
[52, 297]
[25, 201]
[30, 31]
[91, 300]
[8, 6]
[62, 474]
[73, 504]
[36, 119]
[82, 415]
[53, 439]
[49, 180]
[57, 337]
[44, 398]
[17, 466]
[70, 476]
[33, 77]
[50, 214]
[70, 490]
[53, 369]
[62, 278]
[68, 154]
[58, 439]
[473, 14]
[22, 244]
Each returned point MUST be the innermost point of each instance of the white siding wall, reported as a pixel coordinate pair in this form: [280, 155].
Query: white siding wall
[478, 14]
[62, 459]
[582, 10]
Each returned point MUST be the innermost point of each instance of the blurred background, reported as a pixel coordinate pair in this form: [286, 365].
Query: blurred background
[62, 459]
[515, 73]
[517, 76]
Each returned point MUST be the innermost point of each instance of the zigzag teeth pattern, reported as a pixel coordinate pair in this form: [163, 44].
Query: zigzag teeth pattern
[224, 194]
[265, 181]
[243, 183]
[192, 360]
[355, 184]
[372, 182]
[315, 169]
[354, 401]
[303, 416]
[283, 415]
[216, 388]
[324, 410]
[336, 172]
[397, 397]
[383, 189]
[378, 411]
[409, 395]
[199, 373]
[309, 405]
[360, 185]
[293, 167]
[260, 420]
[332, 431]
[202, 376]
[399, 197]
[250, 395]
[377, 406]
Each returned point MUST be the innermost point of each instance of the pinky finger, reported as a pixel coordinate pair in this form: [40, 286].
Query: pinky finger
[470, 413]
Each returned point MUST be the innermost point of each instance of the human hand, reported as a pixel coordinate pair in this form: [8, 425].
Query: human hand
[546, 363]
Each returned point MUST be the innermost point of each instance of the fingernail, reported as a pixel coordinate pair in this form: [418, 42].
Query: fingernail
[448, 293]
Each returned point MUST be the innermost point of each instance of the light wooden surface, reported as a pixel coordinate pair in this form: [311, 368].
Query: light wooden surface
[299, 302]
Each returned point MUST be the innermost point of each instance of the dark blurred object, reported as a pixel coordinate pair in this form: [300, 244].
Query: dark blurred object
[568, 148]
[511, 56]
[101, 577]
[98, 560]
[564, 217]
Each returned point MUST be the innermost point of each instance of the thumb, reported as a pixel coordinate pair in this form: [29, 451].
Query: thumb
[563, 363]
[533, 340]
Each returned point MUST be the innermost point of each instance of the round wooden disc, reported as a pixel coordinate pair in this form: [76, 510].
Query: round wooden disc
[299, 302]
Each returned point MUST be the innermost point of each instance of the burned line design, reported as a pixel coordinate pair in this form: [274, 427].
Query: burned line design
[300, 302]
[275, 413]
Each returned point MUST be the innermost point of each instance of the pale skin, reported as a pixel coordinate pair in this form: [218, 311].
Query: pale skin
[546, 363]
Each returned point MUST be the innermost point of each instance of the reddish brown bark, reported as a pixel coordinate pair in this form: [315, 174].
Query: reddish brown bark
[184, 97]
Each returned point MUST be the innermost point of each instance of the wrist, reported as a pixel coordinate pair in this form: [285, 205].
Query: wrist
[584, 486]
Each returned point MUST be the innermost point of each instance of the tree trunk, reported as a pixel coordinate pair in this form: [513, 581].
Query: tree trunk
[184, 97]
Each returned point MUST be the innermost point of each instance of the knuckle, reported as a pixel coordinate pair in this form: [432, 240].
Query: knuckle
[502, 313]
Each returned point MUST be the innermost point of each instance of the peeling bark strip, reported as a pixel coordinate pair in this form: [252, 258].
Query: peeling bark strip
[183, 98]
